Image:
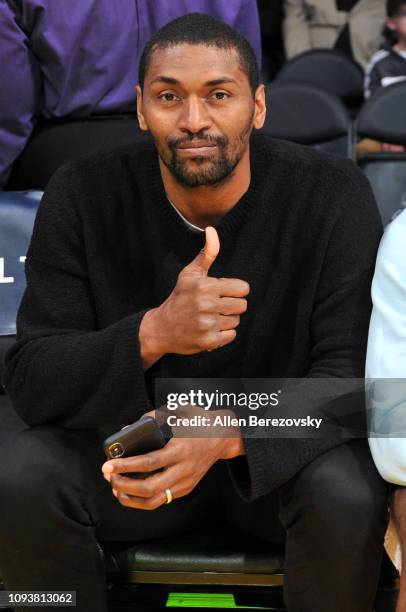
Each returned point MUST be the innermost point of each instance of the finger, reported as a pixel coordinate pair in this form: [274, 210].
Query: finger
[219, 339]
[233, 287]
[141, 503]
[203, 261]
[152, 486]
[232, 306]
[143, 487]
[149, 462]
[230, 322]
[178, 490]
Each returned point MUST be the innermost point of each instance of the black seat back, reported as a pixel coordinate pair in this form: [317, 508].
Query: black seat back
[329, 70]
[383, 118]
[305, 114]
[17, 214]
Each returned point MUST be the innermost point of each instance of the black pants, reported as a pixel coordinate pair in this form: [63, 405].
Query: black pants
[58, 141]
[55, 506]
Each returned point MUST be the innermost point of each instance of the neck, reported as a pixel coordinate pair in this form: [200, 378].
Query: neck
[204, 206]
[401, 45]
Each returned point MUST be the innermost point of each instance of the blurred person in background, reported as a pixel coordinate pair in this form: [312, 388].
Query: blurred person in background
[388, 65]
[80, 58]
[352, 26]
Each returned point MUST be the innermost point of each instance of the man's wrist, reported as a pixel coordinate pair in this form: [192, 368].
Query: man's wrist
[234, 448]
[151, 348]
[233, 442]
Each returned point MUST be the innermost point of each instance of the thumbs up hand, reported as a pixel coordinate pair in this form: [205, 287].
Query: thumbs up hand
[201, 314]
[203, 261]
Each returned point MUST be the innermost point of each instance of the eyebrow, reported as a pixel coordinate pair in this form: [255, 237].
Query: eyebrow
[212, 83]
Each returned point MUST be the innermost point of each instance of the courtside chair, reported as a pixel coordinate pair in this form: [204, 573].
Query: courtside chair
[329, 70]
[305, 114]
[207, 566]
[17, 214]
[383, 118]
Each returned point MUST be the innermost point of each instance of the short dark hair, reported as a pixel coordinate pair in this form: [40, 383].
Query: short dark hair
[393, 7]
[198, 28]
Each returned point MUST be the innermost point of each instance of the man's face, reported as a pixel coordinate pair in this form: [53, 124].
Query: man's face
[199, 107]
[398, 22]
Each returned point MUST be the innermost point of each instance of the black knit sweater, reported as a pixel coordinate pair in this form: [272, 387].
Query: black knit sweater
[107, 246]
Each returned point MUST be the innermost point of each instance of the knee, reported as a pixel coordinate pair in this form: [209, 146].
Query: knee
[343, 487]
[28, 473]
[37, 465]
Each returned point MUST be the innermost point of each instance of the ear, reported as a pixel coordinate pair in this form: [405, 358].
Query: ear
[260, 107]
[141, 119]
[390, 23]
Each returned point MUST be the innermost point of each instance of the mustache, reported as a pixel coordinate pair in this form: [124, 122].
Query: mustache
[220, 141]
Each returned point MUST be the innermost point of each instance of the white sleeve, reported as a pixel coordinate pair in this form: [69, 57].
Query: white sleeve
[386, 355]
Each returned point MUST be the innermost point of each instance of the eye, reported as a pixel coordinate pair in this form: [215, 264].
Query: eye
[221, 95]
[167, 96]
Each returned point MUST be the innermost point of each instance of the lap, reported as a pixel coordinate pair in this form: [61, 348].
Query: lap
[45, 464]
[342, 482]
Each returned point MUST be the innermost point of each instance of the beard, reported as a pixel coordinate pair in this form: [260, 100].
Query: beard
[205, 171]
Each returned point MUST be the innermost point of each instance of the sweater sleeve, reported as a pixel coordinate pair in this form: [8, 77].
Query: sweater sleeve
[339, 331]
[64, 369]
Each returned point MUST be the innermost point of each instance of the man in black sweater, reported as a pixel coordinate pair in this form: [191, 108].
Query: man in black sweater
[208, 254]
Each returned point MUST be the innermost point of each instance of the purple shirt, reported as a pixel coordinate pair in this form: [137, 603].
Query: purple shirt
[78, 57]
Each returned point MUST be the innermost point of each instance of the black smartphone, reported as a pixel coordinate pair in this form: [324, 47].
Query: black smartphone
[143, 436]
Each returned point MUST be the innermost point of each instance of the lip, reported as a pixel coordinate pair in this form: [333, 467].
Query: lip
[196, 149]
[197, 144]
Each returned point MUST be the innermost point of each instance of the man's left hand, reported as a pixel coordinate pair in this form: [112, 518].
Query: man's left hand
[183, 461]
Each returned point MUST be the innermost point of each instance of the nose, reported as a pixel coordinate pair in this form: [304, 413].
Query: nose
[194, 117]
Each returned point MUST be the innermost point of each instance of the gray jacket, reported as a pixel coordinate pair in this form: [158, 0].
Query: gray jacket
[385, 68]
[313, 24]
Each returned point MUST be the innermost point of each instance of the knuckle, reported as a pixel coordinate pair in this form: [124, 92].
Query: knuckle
[150, 461]
[208, 342]
[118, 466]
[183, 448]
[244, 306]
[209, 285]
[204, 323]
[234, 321]
[148, 490]
[206, 304]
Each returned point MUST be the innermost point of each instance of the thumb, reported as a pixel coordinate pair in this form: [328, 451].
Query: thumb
[203, 261]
